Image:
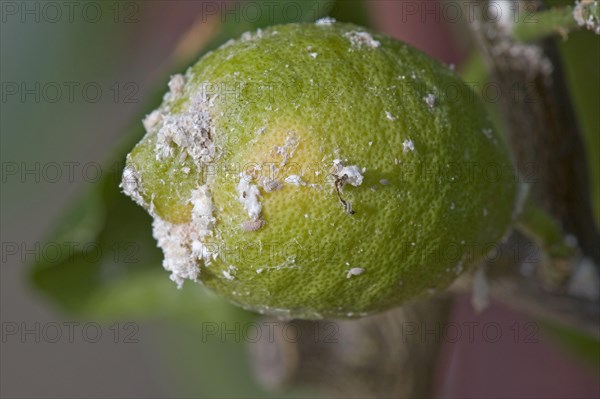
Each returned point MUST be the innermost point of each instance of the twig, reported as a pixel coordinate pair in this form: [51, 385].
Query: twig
[559, 20]
[543, 134]
[542, 127]
[519, 278]
[384, 355]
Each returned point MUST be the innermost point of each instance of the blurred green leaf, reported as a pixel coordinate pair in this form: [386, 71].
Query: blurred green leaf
[103, 237]
[581, 55]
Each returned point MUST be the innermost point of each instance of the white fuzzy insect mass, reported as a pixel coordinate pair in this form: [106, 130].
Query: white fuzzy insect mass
[130, 184]
[181, 136]
[355, 271]
[176, 85]
[248, 196]
[430, 100]
[151, 120]
[353, 175]
[202, 211]
[325, 21]
[173, 239]
[359, 39]
[184, 245]
[408, 146]
[294, 180]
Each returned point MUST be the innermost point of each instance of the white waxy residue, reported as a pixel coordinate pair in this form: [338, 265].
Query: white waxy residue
[361, 39]
[248, 196]
[355, 271]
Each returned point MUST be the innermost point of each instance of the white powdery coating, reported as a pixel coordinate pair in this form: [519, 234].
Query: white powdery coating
[182, 244]
[294, 180]
[408, 146]
[353, 175]
[202, 212]
[270, 185]
[325, 21]
[286, 151]
[229, 274]
[360, 39]
[131, 185]
[176, 85]
[247, 36]
[584, 17]
[252, 225]
[191, 131]
[355, 271]
[202, 252]
[248, 195]
[152, 120]
[430, 100]
[173, 239]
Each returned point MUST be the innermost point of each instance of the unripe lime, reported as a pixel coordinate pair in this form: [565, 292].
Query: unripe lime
[321, 170]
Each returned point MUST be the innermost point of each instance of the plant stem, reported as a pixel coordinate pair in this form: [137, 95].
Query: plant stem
[559, 20]
[546, 142]
[542, 128]
[381, 350]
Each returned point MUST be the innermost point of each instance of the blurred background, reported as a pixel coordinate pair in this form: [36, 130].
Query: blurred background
[86, 309]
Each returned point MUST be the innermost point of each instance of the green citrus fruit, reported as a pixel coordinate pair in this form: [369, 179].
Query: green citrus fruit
[321, 170]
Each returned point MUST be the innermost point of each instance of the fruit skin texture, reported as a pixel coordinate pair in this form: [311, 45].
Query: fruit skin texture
[278, 105]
